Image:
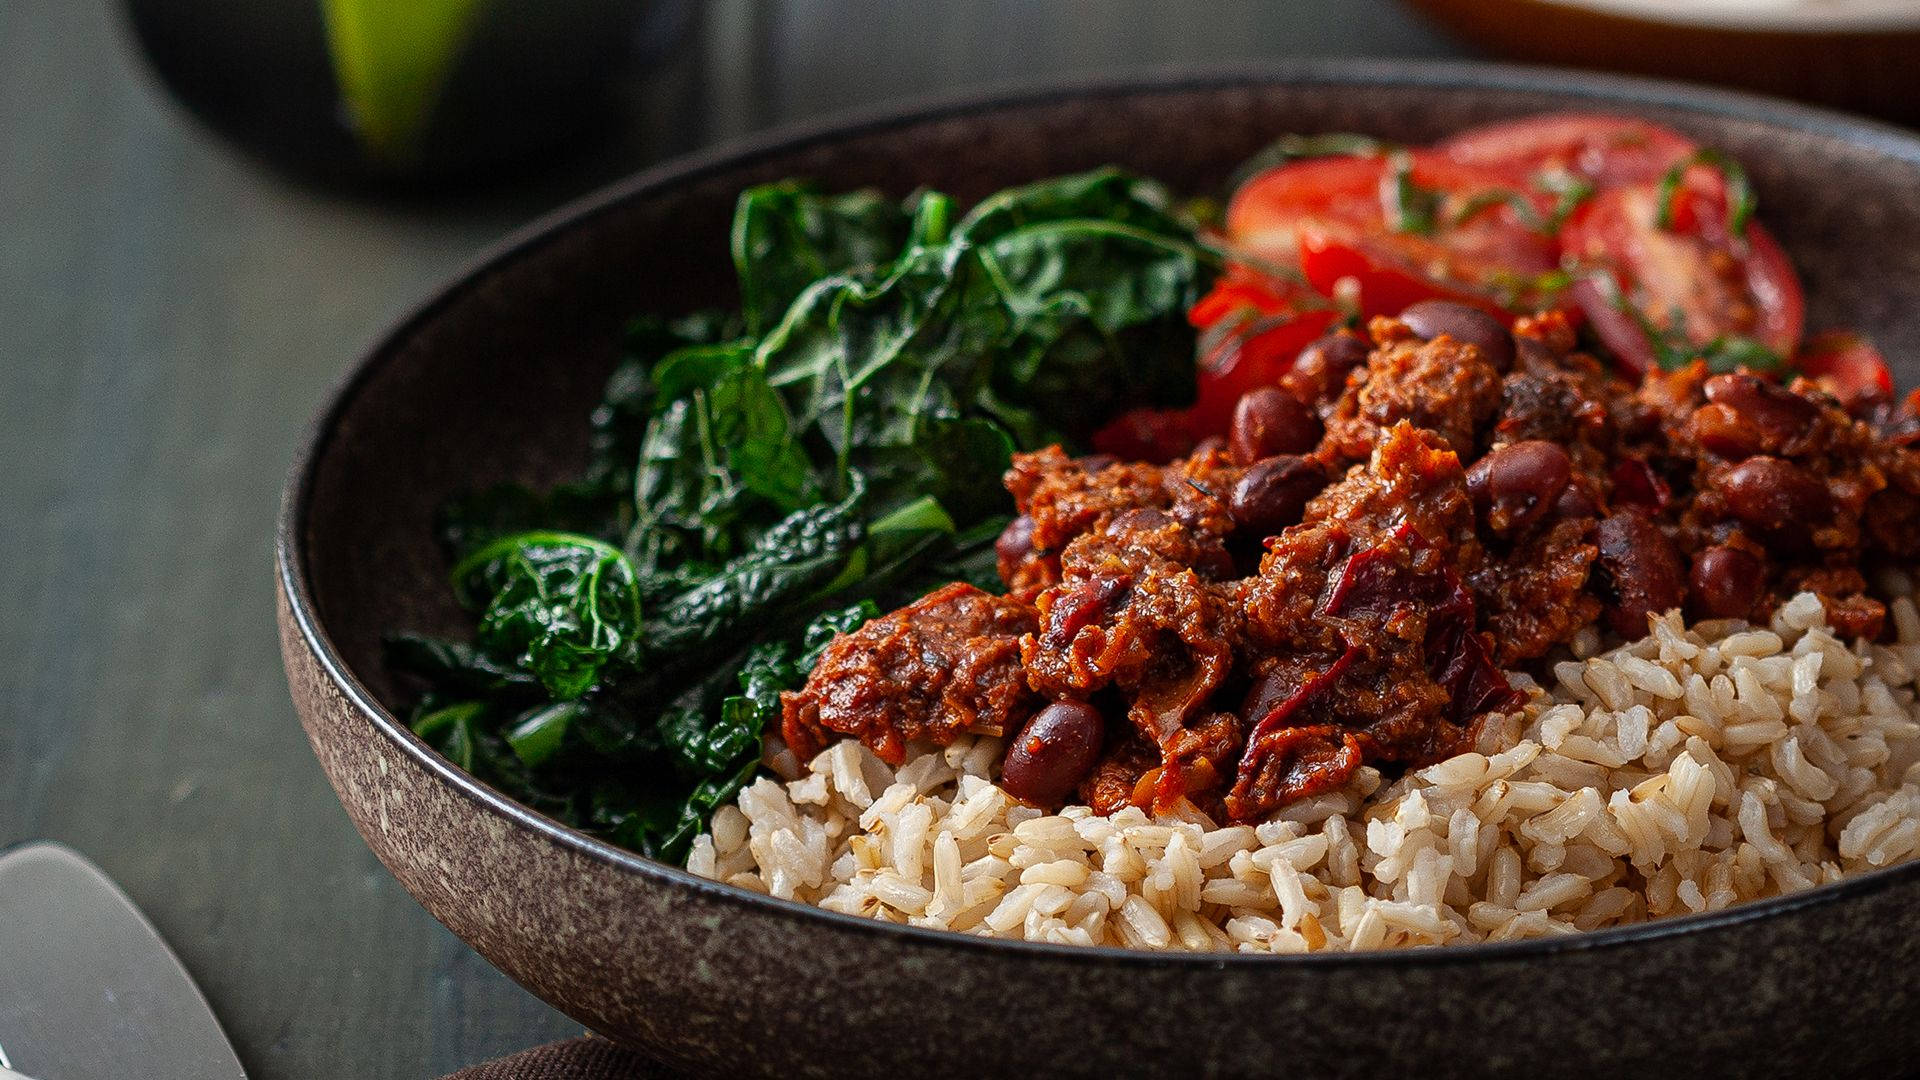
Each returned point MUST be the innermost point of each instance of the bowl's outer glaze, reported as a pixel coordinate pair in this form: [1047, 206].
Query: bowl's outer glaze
[492, 380]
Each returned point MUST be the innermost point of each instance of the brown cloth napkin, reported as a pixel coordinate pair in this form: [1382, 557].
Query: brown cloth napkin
[589, 1058]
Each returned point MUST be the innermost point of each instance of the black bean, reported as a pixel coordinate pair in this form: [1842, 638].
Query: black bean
[1273, 493]
[1269, 421]
[1053, 753]
[1726, 583]
[1640, 571]
[1016, 540]
[1513, 485]
[1776, 498]
[1463, 323]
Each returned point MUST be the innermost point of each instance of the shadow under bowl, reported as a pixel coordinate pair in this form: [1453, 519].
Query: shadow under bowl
[493, 379]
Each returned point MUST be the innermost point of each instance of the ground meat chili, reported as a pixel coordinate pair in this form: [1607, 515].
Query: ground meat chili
[948, 663]
[1344, 581]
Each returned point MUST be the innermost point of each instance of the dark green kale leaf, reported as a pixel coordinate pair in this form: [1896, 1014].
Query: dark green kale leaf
[465, 733]
[788, 235]
[601, 503]
[1098, 317]
[1109, 195]
[564, 605]
[1068, 294]
[714, 753]
[718, 464]
[621, 420]
[456, 665]
[537, 735]
[787, 565]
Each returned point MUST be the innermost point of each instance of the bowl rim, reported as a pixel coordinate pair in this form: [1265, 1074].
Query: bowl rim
[1582, 89]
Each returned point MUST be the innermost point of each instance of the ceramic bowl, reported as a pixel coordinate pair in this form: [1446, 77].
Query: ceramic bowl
[492, 379]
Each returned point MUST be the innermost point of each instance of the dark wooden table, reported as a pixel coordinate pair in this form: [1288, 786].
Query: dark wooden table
[171, 316]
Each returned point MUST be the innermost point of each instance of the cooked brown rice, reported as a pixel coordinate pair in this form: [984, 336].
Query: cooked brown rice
[1692, 769]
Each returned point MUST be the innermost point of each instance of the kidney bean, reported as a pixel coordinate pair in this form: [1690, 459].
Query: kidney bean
[1776, 498]
[1720, 430]
[1534, 352]
[1053, 753]
[1574, 502]
[1093, 463]
[1267, 421]
[1513, 485]
[1273, 493]
[1321, 369]
[1335, 352]
[1640, 572]
[1726, 583]
[1016, 540]
[1776, 413]
[1463, 323]
[1636, 484]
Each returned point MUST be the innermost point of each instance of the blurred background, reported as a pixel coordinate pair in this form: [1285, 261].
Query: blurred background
[208, 208]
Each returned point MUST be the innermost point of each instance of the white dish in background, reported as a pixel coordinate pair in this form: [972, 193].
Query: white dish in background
[1785, 16]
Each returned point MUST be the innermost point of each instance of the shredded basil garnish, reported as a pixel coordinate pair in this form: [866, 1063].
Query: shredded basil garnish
[1410, 207]
[1731, 352]
[1741, 202]
[1524, 292]
[1482, 201]
[1569, 191]
[1673, 349]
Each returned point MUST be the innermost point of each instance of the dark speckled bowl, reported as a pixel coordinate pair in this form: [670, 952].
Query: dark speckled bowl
[493, 378]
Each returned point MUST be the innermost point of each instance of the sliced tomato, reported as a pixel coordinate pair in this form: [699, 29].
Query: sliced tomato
[1253, 326]
[1346, 221]
[1849, 367]
[1242, 292]
[1601, 148]
[1651, 288]
[1343, 263]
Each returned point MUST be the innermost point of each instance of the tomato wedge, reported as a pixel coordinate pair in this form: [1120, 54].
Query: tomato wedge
[1253, 326]
[1389, 229]
[1848, 367]
[1658, 286]
[1605, 150]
